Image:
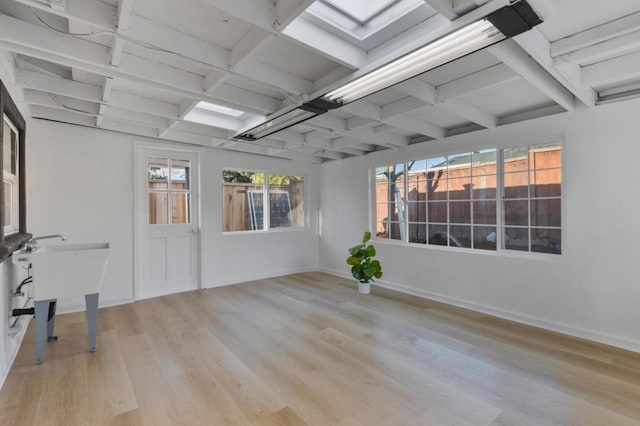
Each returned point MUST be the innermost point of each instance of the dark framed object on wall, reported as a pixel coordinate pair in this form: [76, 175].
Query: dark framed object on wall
[13, 200]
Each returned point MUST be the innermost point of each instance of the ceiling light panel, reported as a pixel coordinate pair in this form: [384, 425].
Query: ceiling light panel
[464, 41]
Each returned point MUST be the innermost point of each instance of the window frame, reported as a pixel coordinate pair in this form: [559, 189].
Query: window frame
[170, 191]
[7, 176]
[10, 242]
[266, 219]
[499, 225]
[501, 211]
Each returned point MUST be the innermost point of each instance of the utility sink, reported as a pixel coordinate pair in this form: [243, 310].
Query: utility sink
[65, 270]
[61, 271]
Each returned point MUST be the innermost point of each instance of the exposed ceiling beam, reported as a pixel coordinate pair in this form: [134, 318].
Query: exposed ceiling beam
[288, 10]
[65, 116]
[535, 44]
[35, 97]
[417, 126]
[347, 144]
[73, 89]
[250, 43]
[33, 40]
[596, 52]
[124, 15]
[470, 112]
[57, 85]
[332, 155]
[151, 33]
[220, 59]
[117, 46]
[175, 135]
[95, 13]
[184, 109]
[443, 7]
[91, 110]
[270, 17]
[327, 44]
[201, 129]
[107, 87]
[446, 96]
[484, 79]
[336, 126]
[625, 67]
[371, 111]
[598, 34]
[261, 13]
[518, 60]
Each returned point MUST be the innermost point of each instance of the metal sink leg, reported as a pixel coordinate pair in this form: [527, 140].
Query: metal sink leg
[91, 301]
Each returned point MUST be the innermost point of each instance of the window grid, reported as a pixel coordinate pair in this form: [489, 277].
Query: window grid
[499, 224]
[175, 214]
[10, 177]
[244, 205]
[531, 170]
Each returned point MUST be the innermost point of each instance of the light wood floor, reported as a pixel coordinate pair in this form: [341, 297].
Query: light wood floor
[307, 349]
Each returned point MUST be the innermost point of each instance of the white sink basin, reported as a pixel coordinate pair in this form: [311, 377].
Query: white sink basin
[65, 270]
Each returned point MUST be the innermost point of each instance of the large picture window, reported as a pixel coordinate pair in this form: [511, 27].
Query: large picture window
[454, 201]
[244, 206]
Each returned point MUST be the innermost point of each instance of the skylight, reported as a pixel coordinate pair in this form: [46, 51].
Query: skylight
[361, 21]
[361, 10]
[220, 109]
[219, 116]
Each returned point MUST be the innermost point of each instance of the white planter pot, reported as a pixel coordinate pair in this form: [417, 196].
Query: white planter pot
[364, 288]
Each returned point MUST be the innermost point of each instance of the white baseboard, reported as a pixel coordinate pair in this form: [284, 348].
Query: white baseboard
[23, 323]
[596, 336]
[258, 276]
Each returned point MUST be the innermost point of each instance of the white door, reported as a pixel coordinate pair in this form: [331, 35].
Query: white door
[167, 214]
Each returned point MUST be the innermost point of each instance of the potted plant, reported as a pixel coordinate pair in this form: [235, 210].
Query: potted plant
[363, 266]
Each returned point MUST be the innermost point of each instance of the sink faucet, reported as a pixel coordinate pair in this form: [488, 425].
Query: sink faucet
[32, 244]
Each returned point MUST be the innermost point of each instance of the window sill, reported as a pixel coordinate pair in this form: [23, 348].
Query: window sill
[12, 243]
[512, 254]
[270, 231]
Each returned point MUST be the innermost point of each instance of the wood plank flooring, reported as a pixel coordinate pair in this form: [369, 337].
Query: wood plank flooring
[307, 349]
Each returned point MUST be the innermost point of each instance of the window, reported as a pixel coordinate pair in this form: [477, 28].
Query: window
[244, 195]
[531, 198]
[169, 191]
[11, 211]
[453, 200]
[12, 192]
[390, 207]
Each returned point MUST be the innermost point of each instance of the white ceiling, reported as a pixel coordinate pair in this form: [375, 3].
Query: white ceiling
[139, 66]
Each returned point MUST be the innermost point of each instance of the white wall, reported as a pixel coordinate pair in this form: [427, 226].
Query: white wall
[592, 290]
[80, 184]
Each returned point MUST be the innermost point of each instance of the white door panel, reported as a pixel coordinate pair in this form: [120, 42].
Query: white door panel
[167, 217]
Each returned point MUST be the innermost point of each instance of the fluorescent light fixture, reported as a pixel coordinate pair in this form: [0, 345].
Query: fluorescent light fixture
[466, 40]
[499, 25]
[280, 121]
[276, 124]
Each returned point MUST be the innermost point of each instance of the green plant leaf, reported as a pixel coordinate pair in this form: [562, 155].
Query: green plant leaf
[370, 251]
[357, 273]
[353, 261]
[366, 237]
[378, 274]
[356, 249]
